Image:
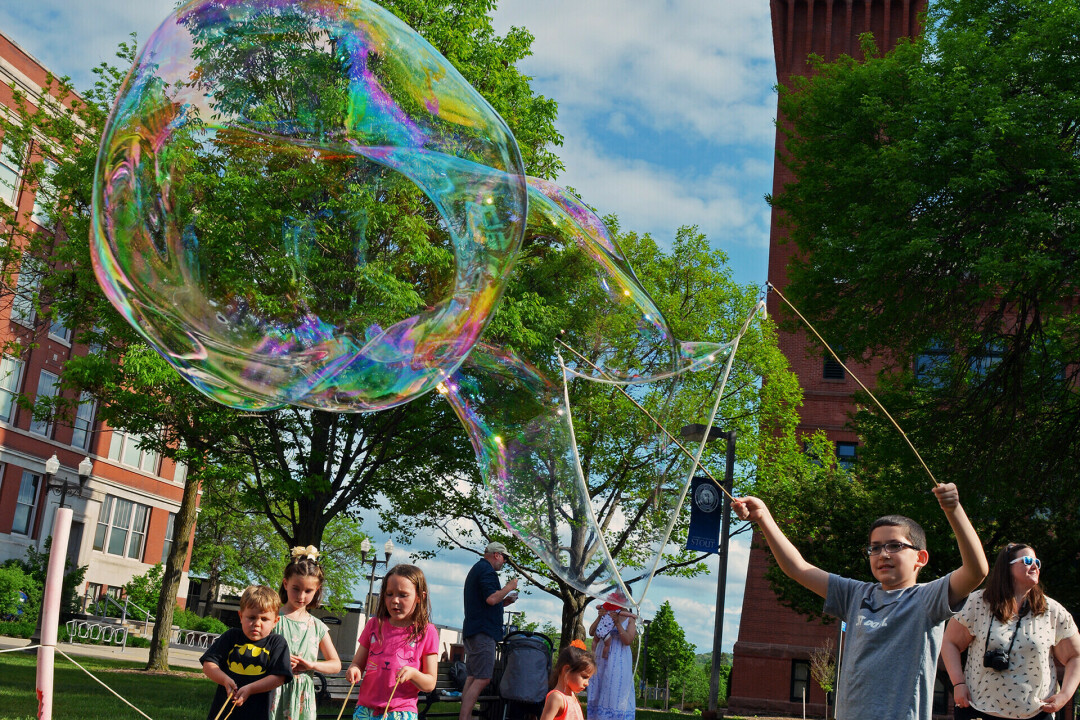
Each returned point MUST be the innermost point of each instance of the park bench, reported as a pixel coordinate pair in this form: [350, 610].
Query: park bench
[330, 691]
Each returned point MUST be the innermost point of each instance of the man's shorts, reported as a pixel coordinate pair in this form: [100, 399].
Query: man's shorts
[480, 656]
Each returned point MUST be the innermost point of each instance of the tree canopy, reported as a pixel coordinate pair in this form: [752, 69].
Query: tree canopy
[935, 210]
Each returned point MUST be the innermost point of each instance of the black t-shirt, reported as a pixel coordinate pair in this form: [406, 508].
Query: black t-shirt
[246, 661]
[481, 582]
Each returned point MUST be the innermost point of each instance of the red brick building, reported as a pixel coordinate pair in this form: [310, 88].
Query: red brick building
[771, 656]
[123, 520]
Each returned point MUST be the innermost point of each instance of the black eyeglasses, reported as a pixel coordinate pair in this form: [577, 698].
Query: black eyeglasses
[890, 547]
[1028, 561]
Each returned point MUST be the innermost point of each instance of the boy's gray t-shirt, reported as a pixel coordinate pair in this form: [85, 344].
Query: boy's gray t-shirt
[891, 647]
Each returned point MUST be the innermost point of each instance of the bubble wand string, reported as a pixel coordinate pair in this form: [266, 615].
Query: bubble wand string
[230, 711]
[832, 352]
[347, 696]
[648, 415]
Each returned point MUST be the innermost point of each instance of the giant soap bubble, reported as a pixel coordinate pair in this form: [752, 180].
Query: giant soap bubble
[241, 191]
[597, 509]
[300, 202]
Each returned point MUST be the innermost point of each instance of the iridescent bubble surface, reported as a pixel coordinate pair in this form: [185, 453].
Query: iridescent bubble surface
[599, 506]
[257, 184]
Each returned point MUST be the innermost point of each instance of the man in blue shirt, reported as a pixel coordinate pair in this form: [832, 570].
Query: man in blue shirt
[484, 601]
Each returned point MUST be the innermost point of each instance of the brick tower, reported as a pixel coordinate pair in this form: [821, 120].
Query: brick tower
[771, 658]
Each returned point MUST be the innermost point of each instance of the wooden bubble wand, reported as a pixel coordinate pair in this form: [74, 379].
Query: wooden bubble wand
[347, 696]
[222, 708]
[391, 698]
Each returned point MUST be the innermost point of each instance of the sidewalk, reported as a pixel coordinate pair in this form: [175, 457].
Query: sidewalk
[178, 657]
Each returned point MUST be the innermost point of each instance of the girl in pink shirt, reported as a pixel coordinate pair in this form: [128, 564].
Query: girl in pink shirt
[398, 653]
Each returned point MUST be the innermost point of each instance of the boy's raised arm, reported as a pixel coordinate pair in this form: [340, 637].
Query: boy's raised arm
[787, 555]
[974, 566]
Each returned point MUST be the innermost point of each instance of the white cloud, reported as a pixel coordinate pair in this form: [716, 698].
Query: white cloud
[697, 66]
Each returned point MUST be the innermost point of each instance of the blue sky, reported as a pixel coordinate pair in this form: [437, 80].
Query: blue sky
[667, 113]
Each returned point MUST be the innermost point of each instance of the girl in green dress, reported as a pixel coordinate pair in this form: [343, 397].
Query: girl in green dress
[301, 589]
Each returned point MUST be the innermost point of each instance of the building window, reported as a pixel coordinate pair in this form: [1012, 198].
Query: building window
[47, 387]
[170, 529]
[44, 195]
[800, 680]
[832, 370]
[92, 595]
[180, 473]
[25, 503]
[11, 162]
[10, 378]
[84, 421]
[985, 361]
[121, 528]
[58, 330]
[124, 448]
[845, 454]
[931, 365]
[22, 300]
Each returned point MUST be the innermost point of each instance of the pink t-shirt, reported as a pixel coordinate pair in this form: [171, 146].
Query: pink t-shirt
[389, 650]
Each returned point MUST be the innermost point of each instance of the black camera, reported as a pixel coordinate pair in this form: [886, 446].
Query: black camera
[996, 660]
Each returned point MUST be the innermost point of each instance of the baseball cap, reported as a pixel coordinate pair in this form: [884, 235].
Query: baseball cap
[496, 547]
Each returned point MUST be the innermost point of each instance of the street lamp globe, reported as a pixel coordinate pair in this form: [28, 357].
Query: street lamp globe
[52, 465]
[389, 548]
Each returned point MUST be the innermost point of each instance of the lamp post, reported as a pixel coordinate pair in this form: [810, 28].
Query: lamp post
[644, 657]
[59, 532]
[63, 487]
[365, 548]
[696, 432]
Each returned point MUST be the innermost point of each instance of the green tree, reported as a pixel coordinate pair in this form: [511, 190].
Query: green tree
[669, 656]
[145, 590]
[693, 287]
[935, 212]
[302, 468]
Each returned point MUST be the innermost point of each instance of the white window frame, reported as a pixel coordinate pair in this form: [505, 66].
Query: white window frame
[22, 300]
[84, 421]
[58, 330]
[22, 501]
[45, 389]
[45, 191]
[131, 519]
[12, 173]
[11, 369]
[124, 449]
[170, 536]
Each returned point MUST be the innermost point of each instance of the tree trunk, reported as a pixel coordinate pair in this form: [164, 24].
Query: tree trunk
[667, 692]
[573, 610]
[174, 570]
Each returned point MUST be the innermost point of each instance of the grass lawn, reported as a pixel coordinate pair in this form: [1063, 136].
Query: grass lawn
[181, 696]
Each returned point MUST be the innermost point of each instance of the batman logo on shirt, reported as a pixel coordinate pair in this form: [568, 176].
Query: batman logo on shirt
[247, 652]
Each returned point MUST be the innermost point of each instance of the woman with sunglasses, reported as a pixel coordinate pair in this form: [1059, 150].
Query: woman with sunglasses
[1010, 630]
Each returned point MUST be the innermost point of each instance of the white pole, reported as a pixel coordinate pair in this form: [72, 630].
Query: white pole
[50, 611]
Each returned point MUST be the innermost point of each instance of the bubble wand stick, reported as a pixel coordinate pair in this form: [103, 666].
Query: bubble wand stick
[222, 708]
[347, 696]
[391, 698]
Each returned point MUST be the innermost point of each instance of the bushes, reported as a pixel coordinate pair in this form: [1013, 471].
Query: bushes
[190, 621]
[20, 594]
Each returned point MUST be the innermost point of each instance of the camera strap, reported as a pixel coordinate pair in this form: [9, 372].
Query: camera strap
[1019, 617]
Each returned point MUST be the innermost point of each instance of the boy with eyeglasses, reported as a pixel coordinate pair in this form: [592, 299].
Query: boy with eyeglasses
[894, 625]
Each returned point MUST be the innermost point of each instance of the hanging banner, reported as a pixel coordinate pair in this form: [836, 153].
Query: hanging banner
[706, 512]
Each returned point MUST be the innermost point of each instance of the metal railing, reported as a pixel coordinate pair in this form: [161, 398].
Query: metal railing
[194, 639]
[100, 608]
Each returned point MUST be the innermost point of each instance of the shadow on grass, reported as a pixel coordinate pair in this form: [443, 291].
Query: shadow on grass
[179, 696]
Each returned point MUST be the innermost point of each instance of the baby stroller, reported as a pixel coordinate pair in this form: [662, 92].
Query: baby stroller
[523, 686]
